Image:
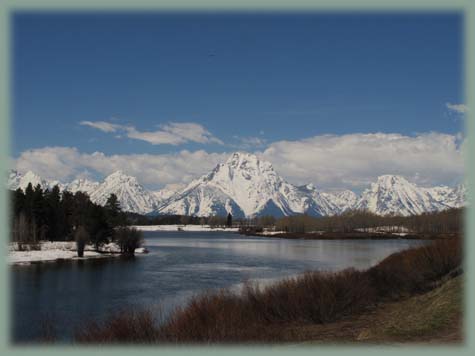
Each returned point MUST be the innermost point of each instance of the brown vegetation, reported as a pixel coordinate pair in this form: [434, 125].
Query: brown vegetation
[265, 314]
[443, 222]
[128, 239]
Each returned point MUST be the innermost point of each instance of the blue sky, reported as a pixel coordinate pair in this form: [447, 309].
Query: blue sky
[242, 81]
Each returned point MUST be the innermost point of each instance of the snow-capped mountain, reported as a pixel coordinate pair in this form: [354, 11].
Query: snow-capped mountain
[131, 195]
[82, 185]
[343, 200]
[393, 194]
[246, 186]
[168, 191]
[17, 180]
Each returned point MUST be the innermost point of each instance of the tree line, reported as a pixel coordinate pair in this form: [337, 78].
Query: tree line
[38, 215]
[447, 221]
[213, 221]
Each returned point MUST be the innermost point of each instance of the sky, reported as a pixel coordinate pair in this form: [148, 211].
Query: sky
[330, 99]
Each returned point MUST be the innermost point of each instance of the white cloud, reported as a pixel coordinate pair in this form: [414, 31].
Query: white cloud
[355, 160]
[173, 133]
[329, 161]
[458, 108]
[102, 125]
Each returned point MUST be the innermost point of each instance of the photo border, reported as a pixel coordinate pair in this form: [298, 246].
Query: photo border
[467, 8]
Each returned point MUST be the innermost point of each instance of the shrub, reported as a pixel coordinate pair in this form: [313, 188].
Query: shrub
[127, 326]
[128, 239]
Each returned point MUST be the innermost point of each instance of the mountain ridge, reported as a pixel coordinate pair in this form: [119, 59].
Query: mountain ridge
[247, 186]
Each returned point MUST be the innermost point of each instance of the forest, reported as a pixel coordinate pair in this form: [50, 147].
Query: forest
[51, 215]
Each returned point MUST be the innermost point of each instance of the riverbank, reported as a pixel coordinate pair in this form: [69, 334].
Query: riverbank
[344, 306]
[50, 251]
[434, 317]
[354, 235]
[193, 228]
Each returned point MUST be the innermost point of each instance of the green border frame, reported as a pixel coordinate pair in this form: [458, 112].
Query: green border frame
[467, 7]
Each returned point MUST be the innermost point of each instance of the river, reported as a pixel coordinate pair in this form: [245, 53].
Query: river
[179, 265]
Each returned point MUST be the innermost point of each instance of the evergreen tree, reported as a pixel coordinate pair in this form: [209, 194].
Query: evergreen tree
[55, 215]
[67, 205]
[39, 213]
[81, 207]
[229, 220]
[115, 216]
[99, 229]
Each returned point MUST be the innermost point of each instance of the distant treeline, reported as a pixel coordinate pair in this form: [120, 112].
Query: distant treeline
[447, 221]
[137, 219]
[38, 214]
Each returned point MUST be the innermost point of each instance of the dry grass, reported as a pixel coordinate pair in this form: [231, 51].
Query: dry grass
[264, 314]
[421, 315]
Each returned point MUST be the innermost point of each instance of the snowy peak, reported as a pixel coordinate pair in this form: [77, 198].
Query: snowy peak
[388, 181]
[247, 162]
[393, 194]
[343, 200]
[248, 185]
[83, 185]
[131, 195]
[17, 180]
[119, 176]
[245, 179]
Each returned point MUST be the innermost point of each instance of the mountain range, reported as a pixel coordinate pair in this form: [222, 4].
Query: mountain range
[246, 186]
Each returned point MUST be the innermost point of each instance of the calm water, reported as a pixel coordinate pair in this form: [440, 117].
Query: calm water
[179, 265]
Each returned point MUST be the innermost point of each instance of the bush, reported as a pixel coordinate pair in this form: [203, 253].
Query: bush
[128, 239]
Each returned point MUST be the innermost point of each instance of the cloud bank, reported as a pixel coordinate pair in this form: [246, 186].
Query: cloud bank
[355, 160]
[329, 161]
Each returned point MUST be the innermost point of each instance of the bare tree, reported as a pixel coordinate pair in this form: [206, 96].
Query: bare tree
[82, 237]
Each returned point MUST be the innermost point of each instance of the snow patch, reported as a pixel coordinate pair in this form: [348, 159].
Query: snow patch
[195, 228]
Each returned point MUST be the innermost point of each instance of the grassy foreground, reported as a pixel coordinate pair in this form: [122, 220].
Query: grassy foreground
[433, 317]
[410, 296]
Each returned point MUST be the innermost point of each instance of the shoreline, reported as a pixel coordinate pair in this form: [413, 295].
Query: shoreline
[185, 228]
[350, 236]
[59, 251]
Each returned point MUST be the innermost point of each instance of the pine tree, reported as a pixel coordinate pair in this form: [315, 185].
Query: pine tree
[99, 229]
[115, 216]
[55, 215]
[39, 219]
